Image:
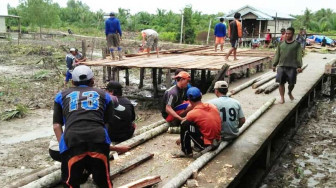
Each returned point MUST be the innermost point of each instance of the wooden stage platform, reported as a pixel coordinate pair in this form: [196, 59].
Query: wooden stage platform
[201, 59]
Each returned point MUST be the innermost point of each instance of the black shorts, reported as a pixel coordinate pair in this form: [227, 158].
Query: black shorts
[88, 157]
[286, 74]
[234, 43]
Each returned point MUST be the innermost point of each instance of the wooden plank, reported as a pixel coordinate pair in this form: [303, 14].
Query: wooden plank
[155, 85]
[130, 165]
[221, 73]
[160, 76]
[142, 76]
[144, 182]
[127, 77]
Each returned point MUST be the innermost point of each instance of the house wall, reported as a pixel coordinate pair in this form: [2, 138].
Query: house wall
[280, 23]
[2, 25]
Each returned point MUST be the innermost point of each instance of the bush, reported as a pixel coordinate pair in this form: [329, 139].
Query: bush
[19, 112]
[168, 36]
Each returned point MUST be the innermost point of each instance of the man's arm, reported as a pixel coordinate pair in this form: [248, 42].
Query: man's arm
[171, 111]
[119, 29]
[120, 149]
[299, 57]
[277, 57]
[241, 121]
[58, 131]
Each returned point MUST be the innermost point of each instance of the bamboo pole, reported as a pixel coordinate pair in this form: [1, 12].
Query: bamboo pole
[271, 88]
[137, 140]
[247, 84]
[263, 87]
[182, 177]
[261, 82]
[47, 181]
[148, 127]
[32, 177]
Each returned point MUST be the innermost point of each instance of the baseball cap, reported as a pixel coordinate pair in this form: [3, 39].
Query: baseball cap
[112, 14]
[183, 74]
[221, 85]
[72, 49]
[116, 104]
[193, 93]
[113, 85]
[82, 73]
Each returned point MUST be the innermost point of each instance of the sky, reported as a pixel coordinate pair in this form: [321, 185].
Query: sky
[293, 7]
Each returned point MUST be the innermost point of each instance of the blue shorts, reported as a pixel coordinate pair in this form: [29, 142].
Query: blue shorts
[68, 76]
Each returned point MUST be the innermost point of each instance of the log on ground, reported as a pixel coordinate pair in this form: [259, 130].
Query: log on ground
[261, 82]
[263, 87]
[148, 127]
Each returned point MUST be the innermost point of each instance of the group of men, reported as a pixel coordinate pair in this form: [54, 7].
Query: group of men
[202, 123]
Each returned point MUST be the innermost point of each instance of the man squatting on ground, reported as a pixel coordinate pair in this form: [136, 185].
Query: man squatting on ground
[113, 35]
[84, 145]
[288, 60]
[230, 110]
[152, 38]
[173, 99]
[124, 116]
[235, 33]
[202, 125]
[220, 34]
[72, 59]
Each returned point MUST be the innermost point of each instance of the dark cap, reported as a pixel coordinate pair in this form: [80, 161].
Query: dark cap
[113, 85]
[112, 14]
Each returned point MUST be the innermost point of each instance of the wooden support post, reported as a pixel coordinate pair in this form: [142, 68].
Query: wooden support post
[332, 86]
[208, 76]
[84, 48]
[155, 85]
[168, 79]
[247, 72]
[308, 103]
[268, 155]
[314, 94]
[115, 74]
[104, 67]
[296, 123]
[109, 73]
[142, 76]
[203, 80]
[127, 77]
[160, 76]
[192, 76]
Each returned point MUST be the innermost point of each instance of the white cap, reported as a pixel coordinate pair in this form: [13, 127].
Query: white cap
[221, 85]
[116, 104]
[72, 49]
[82, 73]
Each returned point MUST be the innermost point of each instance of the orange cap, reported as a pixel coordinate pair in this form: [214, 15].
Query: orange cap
[183, 74]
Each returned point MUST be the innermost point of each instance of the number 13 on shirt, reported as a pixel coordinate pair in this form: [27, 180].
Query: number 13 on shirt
[90, 103]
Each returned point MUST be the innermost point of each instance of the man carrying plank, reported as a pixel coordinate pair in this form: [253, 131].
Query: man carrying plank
[288, 59]
[230, 111]
[202, 125]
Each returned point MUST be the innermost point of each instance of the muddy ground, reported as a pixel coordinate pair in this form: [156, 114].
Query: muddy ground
[310, 157]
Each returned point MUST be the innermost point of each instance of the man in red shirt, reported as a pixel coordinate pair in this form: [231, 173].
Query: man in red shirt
[283, 34]
[202, 125]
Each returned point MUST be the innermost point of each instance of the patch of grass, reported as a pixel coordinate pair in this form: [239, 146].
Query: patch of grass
[20, 111]
[41, 75]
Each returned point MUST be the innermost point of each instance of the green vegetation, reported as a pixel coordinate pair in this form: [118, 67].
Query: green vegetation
[20, 111]
[322, 21]
[77, 16]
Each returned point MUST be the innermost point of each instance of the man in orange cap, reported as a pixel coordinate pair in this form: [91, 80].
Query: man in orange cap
[174, 108]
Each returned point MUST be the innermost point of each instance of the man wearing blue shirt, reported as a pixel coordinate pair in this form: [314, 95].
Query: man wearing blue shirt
[220, 34]
[113, 35]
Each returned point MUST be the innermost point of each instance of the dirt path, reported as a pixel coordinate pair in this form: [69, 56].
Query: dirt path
[310, 158]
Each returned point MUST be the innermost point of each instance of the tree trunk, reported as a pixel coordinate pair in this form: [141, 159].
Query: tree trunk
[47, 181]
[137, 140]
[261, 82]
[182, 177]
[32, 177]
[40, 32]
[271, 88]
[149, 127]
[263, 87]
[247, 84]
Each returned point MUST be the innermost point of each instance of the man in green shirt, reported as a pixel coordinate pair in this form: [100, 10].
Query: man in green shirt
[288, 59]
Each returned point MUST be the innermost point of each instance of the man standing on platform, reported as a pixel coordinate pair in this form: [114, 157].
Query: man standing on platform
[230, 111]
[288, 59]
[113, 35]
[220, 34]
[235, 33]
